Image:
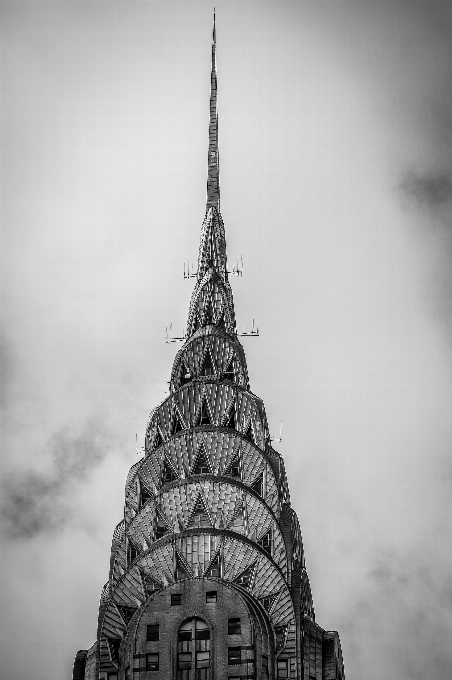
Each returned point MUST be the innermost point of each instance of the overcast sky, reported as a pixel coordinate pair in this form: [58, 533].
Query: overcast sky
[335, 126]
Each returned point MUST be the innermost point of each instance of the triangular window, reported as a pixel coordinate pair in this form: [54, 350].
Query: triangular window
[208, 314]
[199, 517]
[238, 521]
[207, 367]
[229, 372]
[178, 424]
[244, 579]
[160, 528]
[127, 613]
[230, 420]
[267, 602]
[114, 645]
[132, 552]
[182, 571]
[215, 567]
[184, 375]
[201, 466]
[249, 432]
[266, 542]
[280, 632]
[150, 585]
[257, 486]
[168, 474]
[204, 415]
[233, 469]
[158, 438]
[145, 495]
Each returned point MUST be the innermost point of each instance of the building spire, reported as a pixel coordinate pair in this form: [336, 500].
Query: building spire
[213, 163]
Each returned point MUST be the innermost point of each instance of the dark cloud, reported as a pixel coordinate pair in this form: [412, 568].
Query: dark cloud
[40, 503]
[432, 189]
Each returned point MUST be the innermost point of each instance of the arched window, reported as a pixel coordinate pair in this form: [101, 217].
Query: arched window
[193, 650]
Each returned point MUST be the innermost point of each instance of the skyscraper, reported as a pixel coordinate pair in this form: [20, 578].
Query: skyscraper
[207, 572]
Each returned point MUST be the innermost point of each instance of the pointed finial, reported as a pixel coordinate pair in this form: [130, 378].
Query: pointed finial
[212, 302]
[213, 163]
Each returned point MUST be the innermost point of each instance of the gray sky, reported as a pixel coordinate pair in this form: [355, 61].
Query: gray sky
[336, 174]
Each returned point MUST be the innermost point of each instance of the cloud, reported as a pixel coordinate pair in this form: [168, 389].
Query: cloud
[410, 596]
[40, 502]
[427, 197]
[432, 189]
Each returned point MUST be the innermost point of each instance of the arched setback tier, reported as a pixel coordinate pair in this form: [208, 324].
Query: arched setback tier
[210, 352]
[229, 622]
[227, 454]
[207, 505]
[208, 403]
[203, 553]
[199, 552]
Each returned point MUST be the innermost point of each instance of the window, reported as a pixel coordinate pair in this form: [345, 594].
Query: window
[201, 466]
[244, 579]
[266, 542]
[150, 585]
[168, 474]
[184, 375]
[204, 415]
[282, 668]
[234, 655]
[202, 631]
[215, 567]
[112, 676]
[114, 644]
[152, 662]
[233, 469]
[202, 659]
[230, 420]
[267, 602]
[178, 423]
[158, 438]
[181, 570]
[280, 632]
[176, 599]
[127, 613]
[257, 486]
[199, 518]
[264, 664]
[207, 367]
[132, 552]
[211, 596]
[193, 650]
[184, 661]
[185, 634]
[249, 432]
[229, 372]
[145, 496]
[234, 627]
[152, 632]
[160, 531]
